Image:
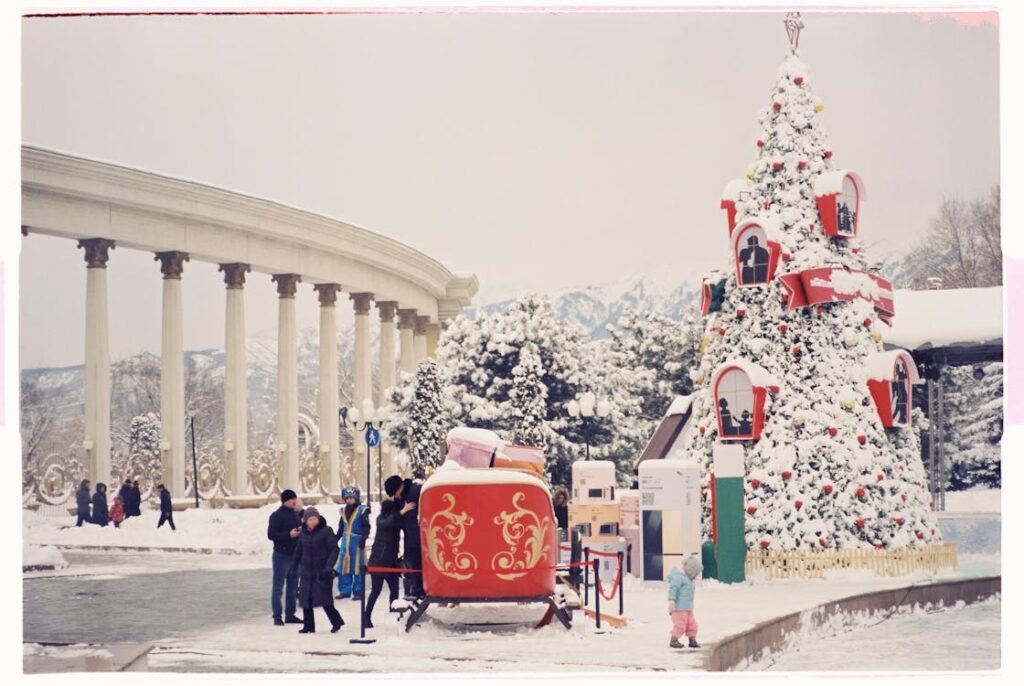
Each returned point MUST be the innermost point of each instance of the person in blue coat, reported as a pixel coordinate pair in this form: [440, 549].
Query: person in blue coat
[680, 602]
[353, 530]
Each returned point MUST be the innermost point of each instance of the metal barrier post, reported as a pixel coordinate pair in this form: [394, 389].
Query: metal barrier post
[621, 577]
[597, 592]
[586, 576]
[629, 558]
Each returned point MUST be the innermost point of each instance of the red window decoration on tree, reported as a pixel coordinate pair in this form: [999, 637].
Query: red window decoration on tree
[891, 375]
[756, 248]
[740, 388]
[730, 196]
[839, 194]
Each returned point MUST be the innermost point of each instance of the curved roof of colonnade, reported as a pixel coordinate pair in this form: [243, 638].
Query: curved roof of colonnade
[75, 197]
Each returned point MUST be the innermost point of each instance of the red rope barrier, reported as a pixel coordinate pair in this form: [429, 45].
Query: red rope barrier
[615, 585]
[600, 553]
[392, 570]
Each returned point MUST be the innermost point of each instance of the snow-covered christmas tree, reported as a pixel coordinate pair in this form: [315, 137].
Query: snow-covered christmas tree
[421, 417]
[793, 365]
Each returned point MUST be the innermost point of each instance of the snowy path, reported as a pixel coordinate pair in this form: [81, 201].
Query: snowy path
[962, 638]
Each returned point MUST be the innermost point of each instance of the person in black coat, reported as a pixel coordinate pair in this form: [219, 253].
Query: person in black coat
[561, 506]
[384, 551]
[136, 501]
[315, 557]
[82, 501]
[125, 494]
[100, 515]
[411, 551]
[166, 509]
[284, 528]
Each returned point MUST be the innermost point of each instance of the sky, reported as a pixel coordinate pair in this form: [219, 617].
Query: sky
[540, 151]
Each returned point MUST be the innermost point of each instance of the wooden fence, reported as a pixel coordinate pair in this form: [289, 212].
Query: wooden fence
[790, 564]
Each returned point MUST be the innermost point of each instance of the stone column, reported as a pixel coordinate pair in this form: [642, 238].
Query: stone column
[387, 372]
[362, 385]
[235, 395]
[327, 398]
[406, 325]
[420, 338]
[172, 374]
[287, 384]
[97, 360]
[433, 334]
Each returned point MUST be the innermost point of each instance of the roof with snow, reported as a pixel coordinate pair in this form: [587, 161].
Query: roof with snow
[830, 183]
[879, 366]
[758, 375]
[669, 431]
[733, 189]
[450, 474]
[949, 318]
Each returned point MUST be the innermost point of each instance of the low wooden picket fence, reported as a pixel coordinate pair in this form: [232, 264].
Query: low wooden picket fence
[793, 564]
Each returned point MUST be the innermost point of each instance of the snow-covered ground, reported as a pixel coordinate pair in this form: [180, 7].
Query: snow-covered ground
[952, 638]
[975, 500]
[42, 556]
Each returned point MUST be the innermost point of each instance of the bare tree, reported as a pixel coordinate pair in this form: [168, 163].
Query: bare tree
[962, 248]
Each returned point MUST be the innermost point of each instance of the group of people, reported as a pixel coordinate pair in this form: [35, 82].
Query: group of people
[127, 503]
[308, 555]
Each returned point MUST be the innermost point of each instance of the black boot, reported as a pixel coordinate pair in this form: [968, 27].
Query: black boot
[693, 642]
[308, 623]
[367, 622]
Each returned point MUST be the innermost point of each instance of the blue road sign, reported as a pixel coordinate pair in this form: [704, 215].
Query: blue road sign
[372, 437]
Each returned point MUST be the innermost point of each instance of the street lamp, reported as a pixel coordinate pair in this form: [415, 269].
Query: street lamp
[371, 421]
[586, 408]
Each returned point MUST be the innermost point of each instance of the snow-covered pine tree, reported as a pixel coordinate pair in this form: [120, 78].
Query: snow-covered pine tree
[144, 447]
[824, 473]
[976, 428]
[428, 420]
[528, 399]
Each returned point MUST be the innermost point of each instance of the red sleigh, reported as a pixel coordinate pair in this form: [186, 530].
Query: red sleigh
[488, 536]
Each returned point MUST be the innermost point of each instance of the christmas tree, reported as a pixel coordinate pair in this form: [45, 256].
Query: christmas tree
[793, 365]
[421, 417]
[528, 399]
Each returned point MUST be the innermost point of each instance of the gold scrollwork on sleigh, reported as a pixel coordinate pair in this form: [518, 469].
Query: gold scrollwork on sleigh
[525, 533]
[446, 531]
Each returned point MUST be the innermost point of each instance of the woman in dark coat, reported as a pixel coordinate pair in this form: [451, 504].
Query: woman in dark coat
[99, 505]
[315, 557]
[82, 501]
[384, 553]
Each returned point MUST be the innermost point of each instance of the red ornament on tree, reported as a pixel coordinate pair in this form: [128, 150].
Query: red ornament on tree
[760, 143]
[740, 313]
[701, 430]
[880, 477]
[856, 251]
[901, 468]
[721, 330]
[755, 482]
[786, 257]
[821, 309]
[904, 496]
[878, 546]
[799, 504]
[765, 544]
[777, 106]
[776, 166]
[821, 542]
[828, 154]
[802, 164]
[827, 489]
[832, 431]
[787, 475]
[919, 534]
[751, 510]
[798, 80]
[862, 439]
[860, 492]
[783, 328]
[773, 388]
[859, 523]
[796, 351]
[899, 520]
[867, 321]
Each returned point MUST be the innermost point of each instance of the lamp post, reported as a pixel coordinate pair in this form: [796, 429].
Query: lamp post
[369, 421]
[586, 409]
[195, 469]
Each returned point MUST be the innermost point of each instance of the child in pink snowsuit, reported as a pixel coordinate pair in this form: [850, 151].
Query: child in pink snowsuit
[680, 602]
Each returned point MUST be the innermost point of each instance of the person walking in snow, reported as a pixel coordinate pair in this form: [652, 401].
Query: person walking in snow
[353, 529]
[117, 511]
[384, 551]
[99, 505]
[125, 494]
[133, 507]
[166, 509]
[681, 583]
[82, 501]
[315, 557]
[283, 528]
[411, 550]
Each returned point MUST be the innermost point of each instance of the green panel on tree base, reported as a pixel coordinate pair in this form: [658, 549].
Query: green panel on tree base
[731, 550]
[707, 559]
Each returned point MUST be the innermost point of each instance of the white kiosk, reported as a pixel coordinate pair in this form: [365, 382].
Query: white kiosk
[669, 514]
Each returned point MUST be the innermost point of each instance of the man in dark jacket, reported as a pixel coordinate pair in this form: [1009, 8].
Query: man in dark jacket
[561, 506]
[125, 494]
[100, 514]
[409, 493]
[283, 530]
[315, 557]
[82, 501]
[166, 510]
[384, 551]
[136, 502]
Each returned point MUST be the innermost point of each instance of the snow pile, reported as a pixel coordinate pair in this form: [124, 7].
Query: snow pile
[41, 557]
[75, 650]
[975, 500]
[935, 318]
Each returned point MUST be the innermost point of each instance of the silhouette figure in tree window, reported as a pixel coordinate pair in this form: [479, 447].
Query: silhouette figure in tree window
[726, 416]
[753, 262]
[745, 426]
[900, 406]
[846, 218]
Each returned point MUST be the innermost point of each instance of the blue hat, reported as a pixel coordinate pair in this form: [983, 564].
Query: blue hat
[350, 491]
